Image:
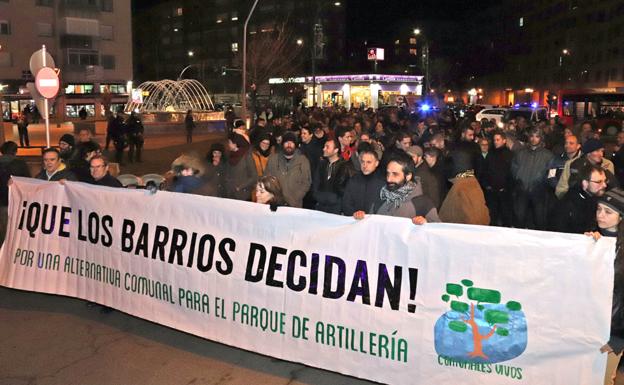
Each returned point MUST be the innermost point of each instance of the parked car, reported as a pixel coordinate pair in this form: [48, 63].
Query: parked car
[492, 113]
[531, 114]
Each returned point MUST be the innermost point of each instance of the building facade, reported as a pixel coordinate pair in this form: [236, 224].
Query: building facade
[90, 42]
[203, 39]
[553, 45]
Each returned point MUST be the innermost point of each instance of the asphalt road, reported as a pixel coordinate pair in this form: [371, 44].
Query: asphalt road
[49, 340]
[54, 340]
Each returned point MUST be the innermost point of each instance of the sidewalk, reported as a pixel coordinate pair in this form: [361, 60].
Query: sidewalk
[160, 149]
[54, 340]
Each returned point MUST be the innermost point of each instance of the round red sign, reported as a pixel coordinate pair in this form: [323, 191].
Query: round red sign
[47, 82]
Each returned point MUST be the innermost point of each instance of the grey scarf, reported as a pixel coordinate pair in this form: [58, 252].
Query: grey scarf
[395, 198]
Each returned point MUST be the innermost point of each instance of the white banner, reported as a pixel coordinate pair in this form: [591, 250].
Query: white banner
[380, 299]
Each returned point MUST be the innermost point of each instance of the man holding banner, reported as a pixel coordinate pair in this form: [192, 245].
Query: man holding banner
[53, 167]
[379, 299]
[402, 196]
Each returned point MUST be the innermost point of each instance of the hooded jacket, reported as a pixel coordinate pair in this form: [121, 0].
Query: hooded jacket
[465, 203]
[529, 167]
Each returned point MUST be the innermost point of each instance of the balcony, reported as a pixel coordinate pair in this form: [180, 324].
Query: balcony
[80, 26]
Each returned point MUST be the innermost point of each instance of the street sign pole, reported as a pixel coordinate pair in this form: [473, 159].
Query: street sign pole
[45, 103]
[46, 85]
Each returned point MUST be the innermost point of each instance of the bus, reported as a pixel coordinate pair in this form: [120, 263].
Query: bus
[602, 106]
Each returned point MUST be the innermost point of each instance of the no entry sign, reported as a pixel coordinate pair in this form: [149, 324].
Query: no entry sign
[47, 82]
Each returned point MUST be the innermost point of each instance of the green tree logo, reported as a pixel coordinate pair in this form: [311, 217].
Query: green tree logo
[483, 316]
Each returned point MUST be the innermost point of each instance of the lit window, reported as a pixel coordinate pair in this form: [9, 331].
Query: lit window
[397, 42]
[521, 22]
[179, 12]
[413, 51]
[234, 47]
[412, 40]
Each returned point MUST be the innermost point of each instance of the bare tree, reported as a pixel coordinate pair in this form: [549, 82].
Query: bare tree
[272, 54]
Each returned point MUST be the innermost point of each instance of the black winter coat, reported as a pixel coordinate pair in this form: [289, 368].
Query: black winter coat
[362, 193]
[575, 213]
[329, 184]
[497, 170]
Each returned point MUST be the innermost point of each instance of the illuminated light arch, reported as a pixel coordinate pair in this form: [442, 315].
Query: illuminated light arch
[172, 96]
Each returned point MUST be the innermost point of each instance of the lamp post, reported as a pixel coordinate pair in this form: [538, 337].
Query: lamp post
[317, 32]
[425, 59]
[564, 52]
[244, 101]
[190, 54]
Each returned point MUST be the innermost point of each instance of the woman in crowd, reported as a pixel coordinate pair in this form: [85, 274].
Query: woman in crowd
[609, 218]
[187, 172]
[269, 192]
[240, 174]
[260, 155]
[214, 177]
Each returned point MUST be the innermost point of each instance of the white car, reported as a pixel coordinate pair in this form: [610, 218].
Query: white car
[492, 113]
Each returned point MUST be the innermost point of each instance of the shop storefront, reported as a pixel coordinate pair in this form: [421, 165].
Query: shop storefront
[96, 99]
[361, 91]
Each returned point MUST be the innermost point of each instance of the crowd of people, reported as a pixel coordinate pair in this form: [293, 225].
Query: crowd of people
[526, 175]
[432, 168]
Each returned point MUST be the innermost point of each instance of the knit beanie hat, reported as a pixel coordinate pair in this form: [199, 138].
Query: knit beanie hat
[69, 139]
[614, 198]
[289, 137]
[592, 145]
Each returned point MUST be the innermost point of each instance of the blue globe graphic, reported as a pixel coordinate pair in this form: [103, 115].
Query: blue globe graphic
[498, 348]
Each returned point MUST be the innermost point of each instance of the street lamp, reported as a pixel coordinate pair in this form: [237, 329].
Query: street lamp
[564, 52]
[299, 42]
[317, 31]
[244, 104]
[184, 70]
[425, 59]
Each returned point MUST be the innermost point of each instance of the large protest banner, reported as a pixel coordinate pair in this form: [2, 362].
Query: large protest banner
[380, 299]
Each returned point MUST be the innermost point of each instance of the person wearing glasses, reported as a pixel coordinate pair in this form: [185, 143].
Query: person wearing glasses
[576, 211]
[98, 166]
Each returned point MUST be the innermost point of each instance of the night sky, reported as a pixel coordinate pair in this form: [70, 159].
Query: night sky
[379, 18]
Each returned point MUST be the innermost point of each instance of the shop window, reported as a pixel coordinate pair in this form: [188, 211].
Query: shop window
[72, 110]
[113, 88]
[79, 89]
